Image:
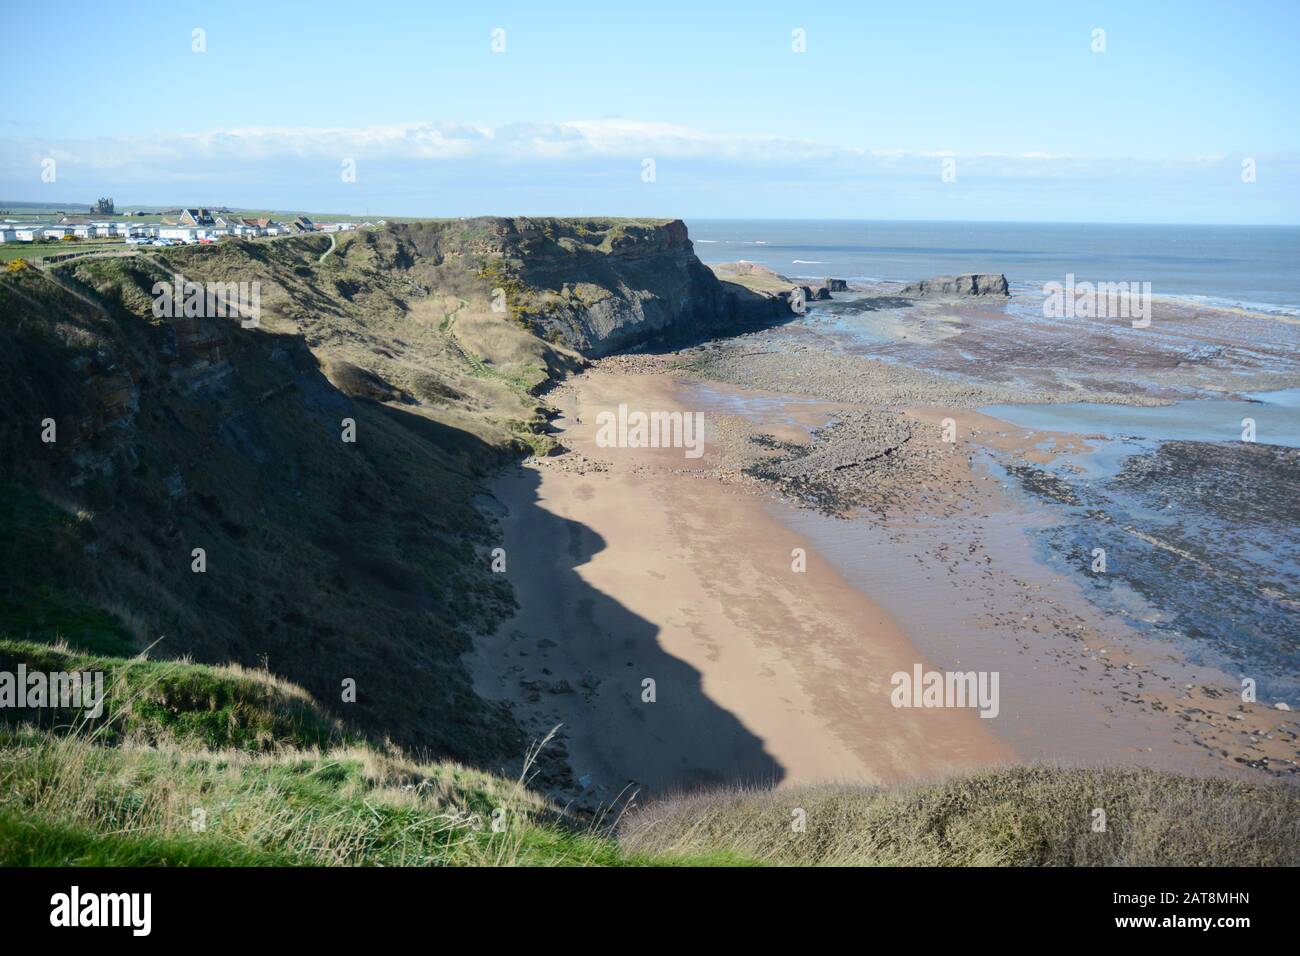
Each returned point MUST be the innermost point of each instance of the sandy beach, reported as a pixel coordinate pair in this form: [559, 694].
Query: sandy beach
[762, 674]
[644, 563]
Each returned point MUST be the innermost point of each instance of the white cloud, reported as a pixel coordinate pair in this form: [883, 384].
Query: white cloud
[595, 165]
[571, 140]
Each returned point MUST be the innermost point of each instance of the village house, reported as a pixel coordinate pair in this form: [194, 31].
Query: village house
[198, 218]
[190, 223]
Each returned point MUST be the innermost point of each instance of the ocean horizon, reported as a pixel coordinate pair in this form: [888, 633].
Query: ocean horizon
[1252, 267]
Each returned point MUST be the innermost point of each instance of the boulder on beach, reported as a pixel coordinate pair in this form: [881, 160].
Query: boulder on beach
[980, 283]
[835, 285]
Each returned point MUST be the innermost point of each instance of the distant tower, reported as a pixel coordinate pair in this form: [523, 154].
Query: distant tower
[104, 207]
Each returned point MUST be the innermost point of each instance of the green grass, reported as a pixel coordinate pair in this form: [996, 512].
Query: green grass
[38, 543]
[274, 789]
[39, 250]
[195, 765]
[355, 806]
[69, 801]
[26, 841]
[195, 704]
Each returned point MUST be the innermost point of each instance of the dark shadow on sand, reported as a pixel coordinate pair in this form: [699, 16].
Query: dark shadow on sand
[602, 653]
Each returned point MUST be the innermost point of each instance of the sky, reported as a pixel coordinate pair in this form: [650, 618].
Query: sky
[1175, 112]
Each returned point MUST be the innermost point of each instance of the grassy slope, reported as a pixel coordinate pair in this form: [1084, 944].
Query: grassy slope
[195, 765]
[331, 561]
[1021, 816]
[38, 543]
[197, 705]
[199, 765]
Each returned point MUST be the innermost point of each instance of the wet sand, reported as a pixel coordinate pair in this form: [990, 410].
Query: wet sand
[643, 563]
[631, 564]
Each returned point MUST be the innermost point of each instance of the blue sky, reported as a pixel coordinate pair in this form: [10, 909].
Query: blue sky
[1033, 123]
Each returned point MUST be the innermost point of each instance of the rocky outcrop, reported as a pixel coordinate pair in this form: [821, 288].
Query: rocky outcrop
[595, 286]
[971, 284]
[835, 285]
[770, 283]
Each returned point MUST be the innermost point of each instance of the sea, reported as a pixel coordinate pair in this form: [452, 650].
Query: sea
[1238, 609]
[1252, 267]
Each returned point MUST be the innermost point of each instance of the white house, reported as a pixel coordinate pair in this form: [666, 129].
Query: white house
[56, 232]
[27, 233]
[175, 232]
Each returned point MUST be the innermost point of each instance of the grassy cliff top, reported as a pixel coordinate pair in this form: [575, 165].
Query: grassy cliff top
[221, 766]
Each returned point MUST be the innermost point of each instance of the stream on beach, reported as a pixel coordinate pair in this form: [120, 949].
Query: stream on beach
[1200, 533]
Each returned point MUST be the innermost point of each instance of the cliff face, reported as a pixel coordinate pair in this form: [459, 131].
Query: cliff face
[330, 559]
[128, 442]
[593, 285]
